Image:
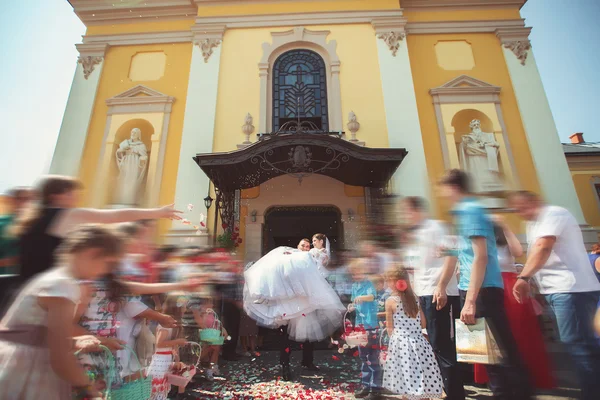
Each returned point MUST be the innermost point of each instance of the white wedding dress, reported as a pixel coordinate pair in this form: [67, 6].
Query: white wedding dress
[292, 291]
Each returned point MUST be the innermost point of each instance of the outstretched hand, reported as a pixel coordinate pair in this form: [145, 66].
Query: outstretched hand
[169, 212]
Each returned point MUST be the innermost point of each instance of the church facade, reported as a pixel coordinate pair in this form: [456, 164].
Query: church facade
[290, 114]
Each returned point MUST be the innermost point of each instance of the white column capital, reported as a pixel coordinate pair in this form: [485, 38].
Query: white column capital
[392, 30]
[516, 39]
[207, 37]
[90, 55]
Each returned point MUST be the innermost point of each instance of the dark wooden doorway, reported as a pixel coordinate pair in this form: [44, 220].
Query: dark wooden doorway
[285, 226]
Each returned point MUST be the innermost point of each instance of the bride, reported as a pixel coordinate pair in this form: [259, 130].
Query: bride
[287, 287]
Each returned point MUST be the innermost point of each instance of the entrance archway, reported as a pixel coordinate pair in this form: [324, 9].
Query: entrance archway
[286, 225]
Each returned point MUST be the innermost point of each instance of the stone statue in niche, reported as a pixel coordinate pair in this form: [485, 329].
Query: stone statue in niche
[132, 160]
[478, 155]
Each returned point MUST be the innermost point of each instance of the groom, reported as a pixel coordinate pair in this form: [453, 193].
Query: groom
[285, 349]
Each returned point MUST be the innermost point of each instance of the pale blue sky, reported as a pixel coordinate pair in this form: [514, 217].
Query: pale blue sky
[39, 56]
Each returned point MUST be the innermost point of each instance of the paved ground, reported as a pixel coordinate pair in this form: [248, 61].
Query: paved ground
[257, 378]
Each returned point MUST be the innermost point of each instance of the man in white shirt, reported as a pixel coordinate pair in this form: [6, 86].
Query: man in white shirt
[435, 283]
[558, 261]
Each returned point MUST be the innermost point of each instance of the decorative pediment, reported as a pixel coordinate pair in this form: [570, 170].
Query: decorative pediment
[139, 98]
[466, 89]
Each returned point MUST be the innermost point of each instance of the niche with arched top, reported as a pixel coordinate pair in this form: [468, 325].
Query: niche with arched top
[461, 126]
[462, 119]
[123, 133]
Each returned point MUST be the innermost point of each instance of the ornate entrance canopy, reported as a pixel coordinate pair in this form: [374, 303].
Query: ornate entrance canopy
[299, 155]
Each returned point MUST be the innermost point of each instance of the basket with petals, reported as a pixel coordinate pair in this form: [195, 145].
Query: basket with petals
[181, 374]
[138, 389]
[214, 334]
[354, 335]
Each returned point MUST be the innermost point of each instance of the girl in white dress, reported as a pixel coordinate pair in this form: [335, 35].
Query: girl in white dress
[37, 359]
[411, 369]
[168, 341]
[288, 287]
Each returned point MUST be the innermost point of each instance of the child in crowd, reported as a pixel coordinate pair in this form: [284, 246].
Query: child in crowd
[411, 369]
[168, 341]
[32, 367]
[207, 318]
[365, 306]
[381, 297]
[106, 312]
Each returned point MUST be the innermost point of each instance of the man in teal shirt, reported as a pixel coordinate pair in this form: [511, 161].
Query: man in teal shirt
[480, 284]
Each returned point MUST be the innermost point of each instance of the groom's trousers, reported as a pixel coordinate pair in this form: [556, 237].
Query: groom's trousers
[286, 349]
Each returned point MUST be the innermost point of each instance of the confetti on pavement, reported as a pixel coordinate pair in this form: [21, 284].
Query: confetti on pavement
[258, 378]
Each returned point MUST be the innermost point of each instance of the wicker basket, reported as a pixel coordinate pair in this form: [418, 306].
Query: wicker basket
[213, 335]
[355, 339]
[183, 380]
[139, 389]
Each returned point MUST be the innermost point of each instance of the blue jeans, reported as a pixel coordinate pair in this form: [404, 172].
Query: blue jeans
[574, 313]
[439, 326]
[370, 376]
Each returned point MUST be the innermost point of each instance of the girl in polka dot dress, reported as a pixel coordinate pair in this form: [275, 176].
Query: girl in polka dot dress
[410, 369]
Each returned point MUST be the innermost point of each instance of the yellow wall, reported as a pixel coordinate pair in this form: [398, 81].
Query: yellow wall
[296, 7]
[113, 81]
[239, 82]
[490, 67]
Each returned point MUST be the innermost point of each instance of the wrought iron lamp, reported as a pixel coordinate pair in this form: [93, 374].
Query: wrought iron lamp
[208, 201]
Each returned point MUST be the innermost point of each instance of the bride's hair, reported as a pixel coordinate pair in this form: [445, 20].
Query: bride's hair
[319, 236]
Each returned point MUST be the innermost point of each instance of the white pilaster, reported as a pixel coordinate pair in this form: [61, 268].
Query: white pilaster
[78, 113]
[545, 146]
[402, 117]
[198, 131]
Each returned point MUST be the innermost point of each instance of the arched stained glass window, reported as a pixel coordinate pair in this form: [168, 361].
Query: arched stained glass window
[300, 90]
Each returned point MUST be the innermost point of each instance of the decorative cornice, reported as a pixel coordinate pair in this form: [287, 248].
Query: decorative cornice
[396, 23]
[475, 26]
[91, 49]
[516, 40]
[298, 19]
[464, 86]
[445, 5]
[208, 31]
[128, 39]
[101, 12]
[139, 99]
